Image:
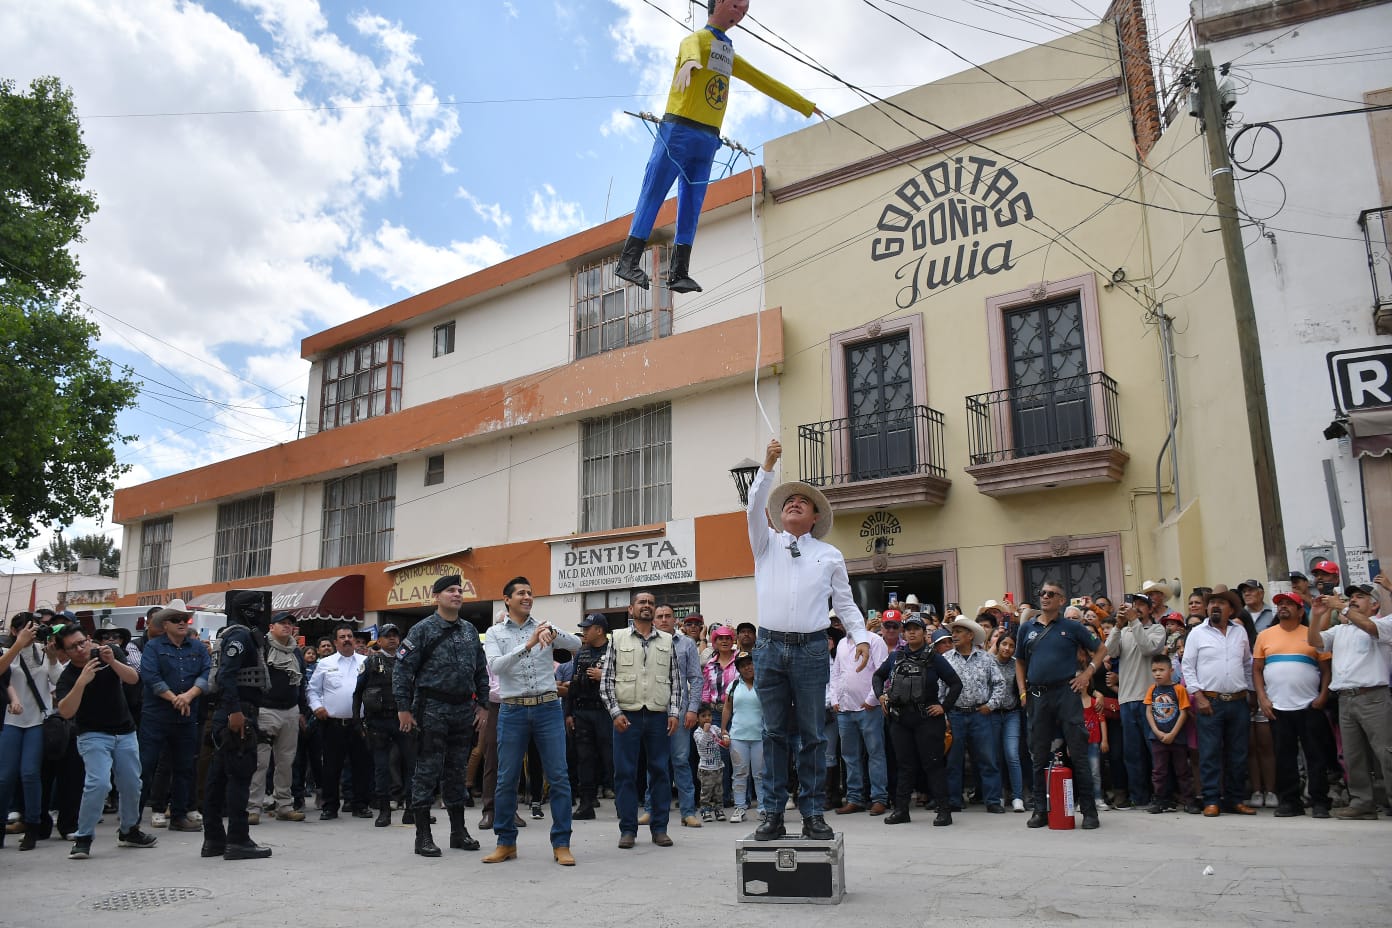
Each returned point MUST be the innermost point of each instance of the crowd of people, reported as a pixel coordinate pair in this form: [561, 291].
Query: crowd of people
[1235, 704]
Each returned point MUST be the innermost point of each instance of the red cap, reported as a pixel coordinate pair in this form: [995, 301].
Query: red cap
[1326, 567]
[891, 615]
[1291, 598]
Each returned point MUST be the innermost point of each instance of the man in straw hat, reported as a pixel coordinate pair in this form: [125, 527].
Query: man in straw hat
[795, 572]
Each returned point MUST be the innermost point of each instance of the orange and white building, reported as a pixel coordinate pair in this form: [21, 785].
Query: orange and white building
[539, 417]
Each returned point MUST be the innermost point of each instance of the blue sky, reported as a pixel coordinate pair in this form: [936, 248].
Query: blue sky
[268, 168]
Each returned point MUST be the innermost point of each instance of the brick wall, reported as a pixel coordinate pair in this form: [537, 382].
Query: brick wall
[1129, 16]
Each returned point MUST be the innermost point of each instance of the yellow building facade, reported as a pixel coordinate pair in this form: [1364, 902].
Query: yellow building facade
[983, 282]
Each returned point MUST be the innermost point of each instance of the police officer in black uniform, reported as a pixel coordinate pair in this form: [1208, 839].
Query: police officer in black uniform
[374, 705]
[239, 683]
[587, 717]
[907, 685]
[441, 688]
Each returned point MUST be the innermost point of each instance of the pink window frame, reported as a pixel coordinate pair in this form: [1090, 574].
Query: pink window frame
[1108, 545]
[874, 331]
[1084, 286]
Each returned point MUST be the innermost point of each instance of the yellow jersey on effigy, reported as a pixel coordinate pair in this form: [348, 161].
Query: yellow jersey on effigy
[705, 96]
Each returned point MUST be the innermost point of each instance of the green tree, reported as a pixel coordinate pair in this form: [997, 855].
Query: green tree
[60, 398]
[61, 555]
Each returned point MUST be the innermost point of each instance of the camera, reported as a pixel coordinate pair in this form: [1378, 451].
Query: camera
[42, 632]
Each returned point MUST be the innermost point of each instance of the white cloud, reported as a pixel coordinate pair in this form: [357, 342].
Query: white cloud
[489, 212]
[219, 234]
[511, 9]
[552, 215]
[411, 265]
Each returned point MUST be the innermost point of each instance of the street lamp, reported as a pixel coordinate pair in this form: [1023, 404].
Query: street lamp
[744, 472]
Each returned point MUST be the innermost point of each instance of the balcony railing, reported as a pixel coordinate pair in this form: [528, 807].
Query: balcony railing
[875, 446]
[1070, 414]
[1376, 224]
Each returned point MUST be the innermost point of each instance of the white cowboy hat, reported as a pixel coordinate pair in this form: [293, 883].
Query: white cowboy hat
[978, 633]
[780, 495]
[174, 609]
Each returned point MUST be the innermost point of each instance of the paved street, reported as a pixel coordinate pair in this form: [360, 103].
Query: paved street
[1138, 870]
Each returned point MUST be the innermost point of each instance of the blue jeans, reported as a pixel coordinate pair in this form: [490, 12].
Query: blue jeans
[103, 756]
[647, 729]
[516, 726]
[748, 758]
[160, 731]
[982, 733]
[1135, 750]
[1223, 752]
[1010, 744]
[21, 759]
[679, 153]
[791, 677]
[680, 754]
[862, 734]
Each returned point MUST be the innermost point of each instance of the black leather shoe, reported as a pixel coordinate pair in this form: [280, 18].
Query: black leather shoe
[995, 809]
[583, 812]
[897, 817]
[425, 842]
[486, 822]
[460, 839]
[248, 850]
[213, 849]
[383, 815]
[362, 812]
[772, 828]
[943, 818]
[327, 815]
[816, 828]
[1090, 821]
[1038, 819]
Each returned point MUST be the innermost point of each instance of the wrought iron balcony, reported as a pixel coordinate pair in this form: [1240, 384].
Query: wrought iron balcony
[1376, 225]
[1052, 433]
[878, 459]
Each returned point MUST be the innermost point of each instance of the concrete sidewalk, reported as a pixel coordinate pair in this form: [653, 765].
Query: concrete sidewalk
[1137, 870]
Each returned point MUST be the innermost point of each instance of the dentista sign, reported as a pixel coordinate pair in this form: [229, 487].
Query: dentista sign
[650, 560]
[939, 219]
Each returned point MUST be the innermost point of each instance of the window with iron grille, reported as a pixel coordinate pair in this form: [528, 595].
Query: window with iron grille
[362, 382]
[359, 518]
[243, 545]
[612, 313]
[155, 538]
[626, 469]
[434, 470]
[444, 339]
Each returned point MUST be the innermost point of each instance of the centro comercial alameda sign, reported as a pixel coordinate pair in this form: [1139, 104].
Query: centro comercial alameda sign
[648, 560]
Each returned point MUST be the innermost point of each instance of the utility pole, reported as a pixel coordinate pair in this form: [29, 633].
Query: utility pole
[1213, 117]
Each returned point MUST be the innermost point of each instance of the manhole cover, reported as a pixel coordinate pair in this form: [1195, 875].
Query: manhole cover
[154, 897]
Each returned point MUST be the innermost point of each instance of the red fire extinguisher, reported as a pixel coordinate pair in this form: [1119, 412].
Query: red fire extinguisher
[1060, 796]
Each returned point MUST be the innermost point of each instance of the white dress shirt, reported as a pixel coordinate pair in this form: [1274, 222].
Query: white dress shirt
[851, 690]
[1360, 660]
[332, 685]
[1217, 662]
[793, 591]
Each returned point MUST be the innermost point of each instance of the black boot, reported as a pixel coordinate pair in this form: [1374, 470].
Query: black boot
[383, 814]
[425, 842]
[678, 271]
[631, 263]
[408, 816]
[459, 831]
[584, 811]
[772, 829]
[944, 817]
[31, 837]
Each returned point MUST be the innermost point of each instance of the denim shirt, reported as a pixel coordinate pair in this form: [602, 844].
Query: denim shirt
[521, 672]
[165, 667]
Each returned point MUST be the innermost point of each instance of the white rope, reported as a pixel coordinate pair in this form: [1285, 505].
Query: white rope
[759, 310]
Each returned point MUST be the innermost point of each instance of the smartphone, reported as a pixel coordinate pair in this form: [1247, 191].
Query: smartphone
[1374, 568]
[955, 607]
[1326, 588]
[1078, 601]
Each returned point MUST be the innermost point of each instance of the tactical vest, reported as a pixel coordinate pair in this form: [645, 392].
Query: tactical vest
[907, 684]
[642, 676]
[377, 697]
[254, 676]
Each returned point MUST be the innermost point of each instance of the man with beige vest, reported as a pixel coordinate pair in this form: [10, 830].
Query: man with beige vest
[636, 688]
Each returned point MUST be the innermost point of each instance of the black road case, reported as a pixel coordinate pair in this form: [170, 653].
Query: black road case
[790, 870]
